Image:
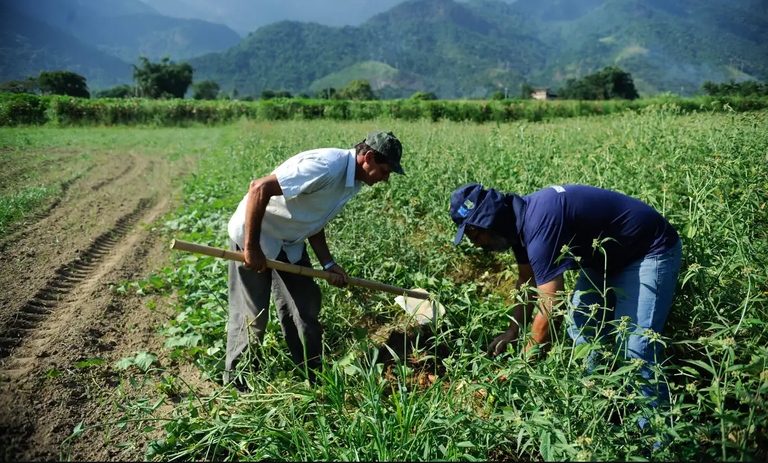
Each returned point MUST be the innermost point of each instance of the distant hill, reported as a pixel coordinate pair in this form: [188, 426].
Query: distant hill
[458, 49]
[245, 16]
[469, 49]
[379, 75]
[129, 28]
[155, 36]
[285, 55]
[667, 45]
[28, 46]
[118, 7]
[437, 45]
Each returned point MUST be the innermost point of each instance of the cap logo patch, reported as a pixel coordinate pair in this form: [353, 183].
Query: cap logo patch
[463, 211]
[469, 204]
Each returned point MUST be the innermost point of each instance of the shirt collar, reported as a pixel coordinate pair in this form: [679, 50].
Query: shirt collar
[351, 164]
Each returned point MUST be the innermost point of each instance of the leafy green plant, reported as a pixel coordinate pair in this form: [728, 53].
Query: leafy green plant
[90, 362]
[143, 361]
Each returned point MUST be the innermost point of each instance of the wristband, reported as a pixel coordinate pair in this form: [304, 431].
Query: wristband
[329, 265]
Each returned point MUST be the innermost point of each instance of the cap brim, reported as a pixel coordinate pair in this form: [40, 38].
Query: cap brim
[459, 234]
[396, 168]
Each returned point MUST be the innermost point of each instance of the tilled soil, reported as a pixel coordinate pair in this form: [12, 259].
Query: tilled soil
[58, 307]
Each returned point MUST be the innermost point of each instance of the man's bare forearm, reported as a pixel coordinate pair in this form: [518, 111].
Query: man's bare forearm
[523, 313]
[254, 213]
[547, 301]
[338, 276]
[320, 246]
[260, 192]
[540, 328]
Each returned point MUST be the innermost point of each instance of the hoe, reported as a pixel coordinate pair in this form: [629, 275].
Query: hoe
[414, 301]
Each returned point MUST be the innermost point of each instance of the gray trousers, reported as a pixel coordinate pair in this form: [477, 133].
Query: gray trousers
[297, 299]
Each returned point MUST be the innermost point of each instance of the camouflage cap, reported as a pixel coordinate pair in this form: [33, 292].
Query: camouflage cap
[388, 145]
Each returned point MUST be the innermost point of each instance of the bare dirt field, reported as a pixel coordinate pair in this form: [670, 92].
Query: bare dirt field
[58, 268]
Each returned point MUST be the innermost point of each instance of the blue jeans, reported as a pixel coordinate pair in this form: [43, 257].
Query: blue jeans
[643, 292]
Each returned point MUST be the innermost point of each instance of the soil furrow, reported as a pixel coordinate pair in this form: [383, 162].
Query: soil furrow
[57, 289]
[106, 182]
[58, 309]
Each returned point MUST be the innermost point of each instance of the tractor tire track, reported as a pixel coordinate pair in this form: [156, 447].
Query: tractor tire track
[65, 186]
[65, 322]
[58, 307]
[68, 276]
[40, 215]
[77, 215]
[41, 163]
[106, 182]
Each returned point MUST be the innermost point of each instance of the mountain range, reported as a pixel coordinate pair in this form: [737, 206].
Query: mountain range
[455, 49]
[98, 38]
[469, 49]
[246, 16]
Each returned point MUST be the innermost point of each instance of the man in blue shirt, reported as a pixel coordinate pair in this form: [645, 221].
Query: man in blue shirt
[628, 256]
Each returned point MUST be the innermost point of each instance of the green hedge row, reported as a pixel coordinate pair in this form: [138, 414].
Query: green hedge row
[61, 110]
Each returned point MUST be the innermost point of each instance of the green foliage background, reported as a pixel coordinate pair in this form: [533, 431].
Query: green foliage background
[24, 109]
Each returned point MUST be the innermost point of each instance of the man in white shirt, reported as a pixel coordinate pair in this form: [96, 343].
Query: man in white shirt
[273, 220]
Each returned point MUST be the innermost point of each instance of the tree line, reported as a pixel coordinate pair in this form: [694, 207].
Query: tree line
[49, 83]
[609, 83]
[748, 88]
[166, 79]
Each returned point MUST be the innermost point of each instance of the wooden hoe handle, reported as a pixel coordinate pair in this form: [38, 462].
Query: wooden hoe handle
[293, 268]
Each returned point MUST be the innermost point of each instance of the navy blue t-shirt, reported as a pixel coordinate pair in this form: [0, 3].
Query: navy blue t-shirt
[576, 215]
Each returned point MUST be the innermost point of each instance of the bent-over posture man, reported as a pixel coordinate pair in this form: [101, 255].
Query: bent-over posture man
[614, 240]
[273, 220]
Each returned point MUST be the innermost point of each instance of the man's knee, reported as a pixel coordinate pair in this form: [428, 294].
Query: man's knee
[639, 346]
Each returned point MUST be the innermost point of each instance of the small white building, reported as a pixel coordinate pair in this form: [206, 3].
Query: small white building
[543, 94]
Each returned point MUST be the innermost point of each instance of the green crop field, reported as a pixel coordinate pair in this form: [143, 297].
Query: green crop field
[433, 394]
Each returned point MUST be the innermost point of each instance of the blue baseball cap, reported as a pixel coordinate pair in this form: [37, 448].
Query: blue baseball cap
[474, 205]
